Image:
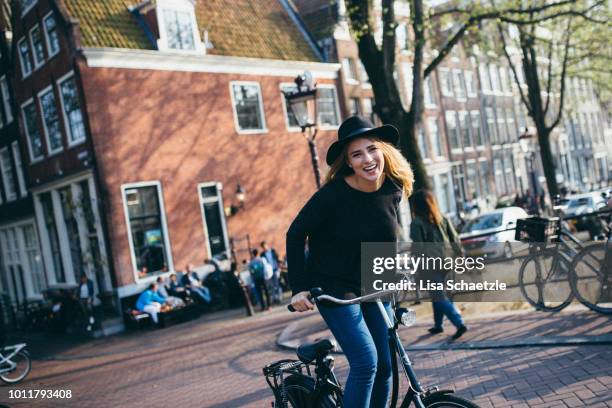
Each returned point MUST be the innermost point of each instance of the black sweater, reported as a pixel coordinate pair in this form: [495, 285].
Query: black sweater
[336, 220]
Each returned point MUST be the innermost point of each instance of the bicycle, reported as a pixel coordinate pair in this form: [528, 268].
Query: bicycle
[15, 363]
[544, 274]
[310, 381]
[590, 276]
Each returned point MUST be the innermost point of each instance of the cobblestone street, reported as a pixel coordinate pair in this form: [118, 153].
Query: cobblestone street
[218, 364]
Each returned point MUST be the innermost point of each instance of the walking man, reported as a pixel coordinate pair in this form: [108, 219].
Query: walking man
[271, 256]
[257, 268]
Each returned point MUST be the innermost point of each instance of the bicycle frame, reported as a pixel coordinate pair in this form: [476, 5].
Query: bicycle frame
[16, 348]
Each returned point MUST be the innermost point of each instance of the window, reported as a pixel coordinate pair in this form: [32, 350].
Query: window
[33, 257]
[494, 74]
[50, 120]
[499, 177]
[72, 111]
[512, 130]
[466, 130]
[491, 125]
[6, 168]
[501, 120]
[37, 46]
[213, 218]
[6, 100]
[469, 83]
[52, 235]
[368, 109]
[509, 171]
[354, 106]
[472, 179]
[30, 121]
[179, 29]
[434, 135]
[459, 85]
[453, 130]
[459, 179]
[24, 57]
[484, 176]
[446, 82]
[348, 68]
[505, 80]
[407, 78]
[53, 45]
[147, 228]
[248, 107]
[327, 106]
[476, 132]
[19, 168]
[363, 74]
[423, 145]
[26, 5]
[69, 208]
[429, 93]
[485, 81]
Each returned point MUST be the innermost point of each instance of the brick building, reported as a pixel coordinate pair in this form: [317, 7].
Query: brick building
[141, 121]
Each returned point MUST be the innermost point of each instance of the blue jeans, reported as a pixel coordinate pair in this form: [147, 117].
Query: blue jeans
[362, 333]
[446, 308]
[203, 293]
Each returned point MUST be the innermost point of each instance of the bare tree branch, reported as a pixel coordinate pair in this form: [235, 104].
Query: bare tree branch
[549, 77]
[513, 68]
[563, 73]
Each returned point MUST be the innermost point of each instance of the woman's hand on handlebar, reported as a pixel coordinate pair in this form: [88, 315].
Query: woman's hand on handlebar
[301, 301]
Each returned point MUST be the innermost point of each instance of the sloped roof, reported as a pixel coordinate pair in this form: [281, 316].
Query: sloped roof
[242, 28]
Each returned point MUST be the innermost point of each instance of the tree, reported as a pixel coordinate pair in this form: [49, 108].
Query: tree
[549, 47]
[379, 62]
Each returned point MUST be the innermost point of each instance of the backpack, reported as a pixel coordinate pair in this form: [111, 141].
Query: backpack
[257, 269]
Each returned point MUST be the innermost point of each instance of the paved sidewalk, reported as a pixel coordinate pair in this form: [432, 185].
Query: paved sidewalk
[218, 364]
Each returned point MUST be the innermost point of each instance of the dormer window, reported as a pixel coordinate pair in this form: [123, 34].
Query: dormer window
[178, 28]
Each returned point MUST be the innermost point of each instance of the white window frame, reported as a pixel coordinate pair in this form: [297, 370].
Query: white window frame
[162, 210]
[6, 99]
[178, 5]
[67, 129]
[286, 108]
[37, 64]
[471, 93]
[46, 130]
[25, 127]
[428, 89]
[262, 113]
[450, 91]
[349, 71]
[24, 73]
[336, 107]
[455, 118]
[8, 168]
[47, 40]
[221, 211]
[458, 77]
[435, 139]
[27, 9]
[19, 168]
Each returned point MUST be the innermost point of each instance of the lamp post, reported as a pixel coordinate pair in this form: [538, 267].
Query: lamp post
[233, 209]
[526, 142]
[302, 102]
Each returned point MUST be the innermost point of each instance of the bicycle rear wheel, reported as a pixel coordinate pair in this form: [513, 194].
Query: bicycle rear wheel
[21, 370]
[544, 281]
[591, 277]
[300, 393]
[447, 401]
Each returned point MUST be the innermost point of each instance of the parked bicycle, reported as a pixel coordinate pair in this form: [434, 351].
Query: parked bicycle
[591, 274]
[560, 267]
[15, 363]
[310, 381]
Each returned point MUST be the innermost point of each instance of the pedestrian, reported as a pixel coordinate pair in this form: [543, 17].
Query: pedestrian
[257, 268]
[271, 256]
[359, 202]
[430, 226]
[86, 298]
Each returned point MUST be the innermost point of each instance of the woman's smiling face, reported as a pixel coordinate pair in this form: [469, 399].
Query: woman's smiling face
[366, 159]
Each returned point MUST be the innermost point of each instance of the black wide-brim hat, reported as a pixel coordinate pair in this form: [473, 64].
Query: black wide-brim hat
[355, 127]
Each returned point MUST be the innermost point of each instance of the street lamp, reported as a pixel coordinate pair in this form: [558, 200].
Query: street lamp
[302, 102]
[527, 144]
[240, 197]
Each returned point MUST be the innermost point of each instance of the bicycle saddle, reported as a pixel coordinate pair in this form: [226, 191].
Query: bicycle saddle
[308, 352]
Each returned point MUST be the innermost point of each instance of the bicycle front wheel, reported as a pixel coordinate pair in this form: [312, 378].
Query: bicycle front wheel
[300, 393]
[544, 281]
[23, 365]
[591, 277]
[447, 401]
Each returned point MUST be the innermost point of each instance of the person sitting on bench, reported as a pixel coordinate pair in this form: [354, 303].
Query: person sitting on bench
[199, 292]
[150, 302]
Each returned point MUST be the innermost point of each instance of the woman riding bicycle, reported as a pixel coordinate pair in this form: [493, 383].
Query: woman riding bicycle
[359, 202]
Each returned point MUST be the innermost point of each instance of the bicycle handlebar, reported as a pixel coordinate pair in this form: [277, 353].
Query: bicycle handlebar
[316, 294]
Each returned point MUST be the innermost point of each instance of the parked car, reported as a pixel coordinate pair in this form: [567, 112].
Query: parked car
[584, 204]
[495, 223]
